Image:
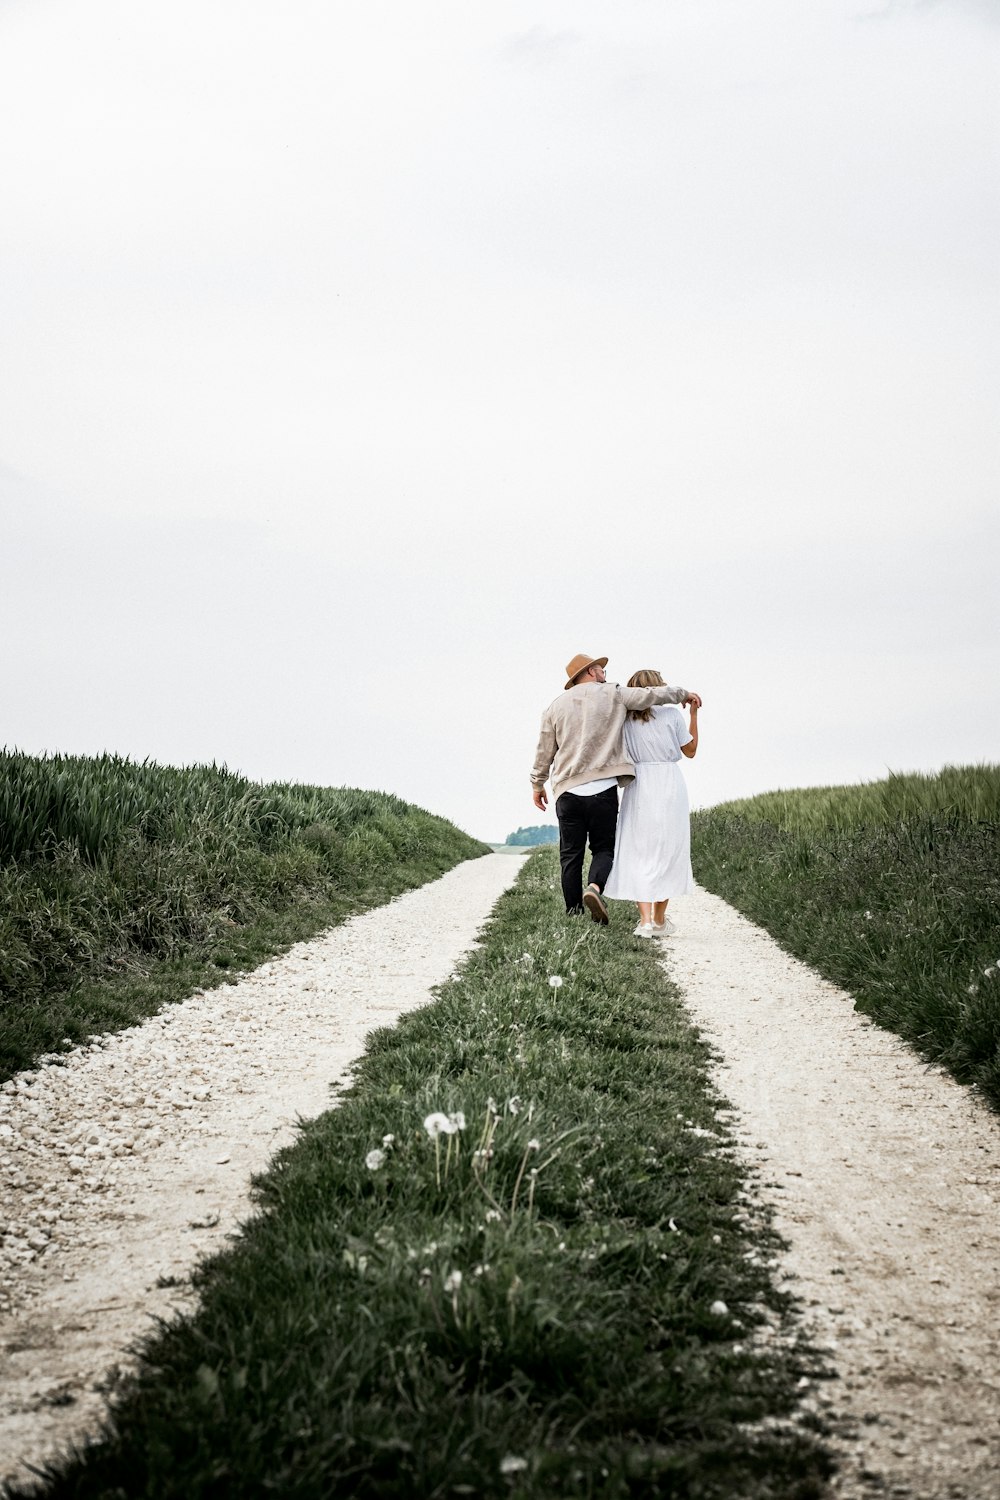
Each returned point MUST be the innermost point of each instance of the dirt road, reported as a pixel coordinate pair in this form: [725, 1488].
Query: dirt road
[125, 1165]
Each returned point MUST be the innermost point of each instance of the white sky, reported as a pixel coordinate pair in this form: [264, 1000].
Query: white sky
[361, 363]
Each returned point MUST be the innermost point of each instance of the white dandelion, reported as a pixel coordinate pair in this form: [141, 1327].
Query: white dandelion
[374, 1160]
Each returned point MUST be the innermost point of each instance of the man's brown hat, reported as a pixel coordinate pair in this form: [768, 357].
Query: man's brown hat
[580, 664]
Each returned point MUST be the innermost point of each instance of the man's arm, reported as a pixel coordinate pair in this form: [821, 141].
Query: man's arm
[544, 756]
[649, 697]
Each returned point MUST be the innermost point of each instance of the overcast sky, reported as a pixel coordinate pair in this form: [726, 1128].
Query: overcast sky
[362, 363]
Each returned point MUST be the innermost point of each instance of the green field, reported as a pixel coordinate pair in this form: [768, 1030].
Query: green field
[123, 886]
[519, 1260]
[891, 889]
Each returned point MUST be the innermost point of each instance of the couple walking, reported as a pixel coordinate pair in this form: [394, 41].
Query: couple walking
[595, 738]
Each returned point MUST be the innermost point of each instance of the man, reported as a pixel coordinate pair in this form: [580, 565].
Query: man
[581, 744]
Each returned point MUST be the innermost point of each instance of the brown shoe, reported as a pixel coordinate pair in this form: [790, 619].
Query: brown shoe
[594, 903]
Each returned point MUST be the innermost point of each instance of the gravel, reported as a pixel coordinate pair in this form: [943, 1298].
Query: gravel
[885, 1178]
[123, 1162]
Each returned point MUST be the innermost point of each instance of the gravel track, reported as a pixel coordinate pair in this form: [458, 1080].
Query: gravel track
[126, 1161]
[885, 1178]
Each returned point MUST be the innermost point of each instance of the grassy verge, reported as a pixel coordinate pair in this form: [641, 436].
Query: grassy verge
[564, 1292]
[125, 886]
[891, 890]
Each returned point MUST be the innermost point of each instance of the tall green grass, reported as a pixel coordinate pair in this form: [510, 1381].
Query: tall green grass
[891, 889]
[123, 885]
[569, 1294]
[960, 795]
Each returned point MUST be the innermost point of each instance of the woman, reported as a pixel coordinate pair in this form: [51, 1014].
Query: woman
[653, 841]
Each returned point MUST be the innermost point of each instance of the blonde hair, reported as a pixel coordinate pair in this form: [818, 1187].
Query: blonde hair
[648, 677]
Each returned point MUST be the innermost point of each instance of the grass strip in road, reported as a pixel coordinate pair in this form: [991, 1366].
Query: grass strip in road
[124, 886]
[518, 1260]
[891, 890]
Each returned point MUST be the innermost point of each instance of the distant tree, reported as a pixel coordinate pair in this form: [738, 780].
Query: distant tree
[542, 833]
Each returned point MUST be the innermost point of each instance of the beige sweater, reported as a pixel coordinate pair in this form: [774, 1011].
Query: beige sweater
[581, 734]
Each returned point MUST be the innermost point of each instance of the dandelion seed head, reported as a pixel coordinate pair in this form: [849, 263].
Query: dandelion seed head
[492, 1215]
[555, 981]
[514, 1104]
[512, 1464]
[457, 1120]
[453, 1281]
[534, 1145]
[374, 1160]
[719, 1309]
[388, 1140]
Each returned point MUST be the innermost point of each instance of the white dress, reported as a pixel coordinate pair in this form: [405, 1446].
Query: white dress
[653, 841]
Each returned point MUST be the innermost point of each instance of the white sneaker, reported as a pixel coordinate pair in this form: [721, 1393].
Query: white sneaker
[644, 929]
[664, 928]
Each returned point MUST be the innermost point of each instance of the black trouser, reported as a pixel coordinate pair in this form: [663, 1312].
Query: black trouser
[581, 818]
